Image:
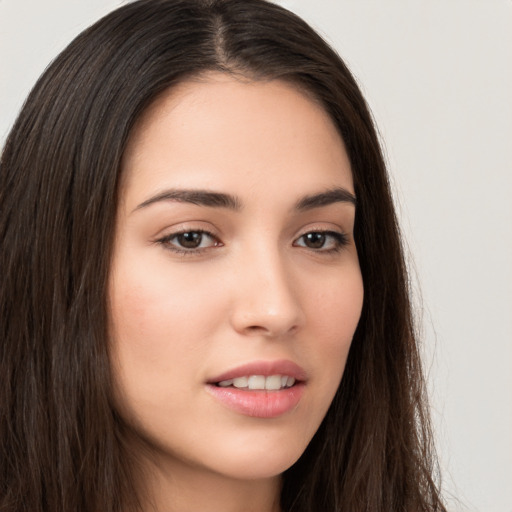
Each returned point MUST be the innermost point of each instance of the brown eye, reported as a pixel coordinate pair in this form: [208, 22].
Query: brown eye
[322, 241]
[189, 240]
[314, 240]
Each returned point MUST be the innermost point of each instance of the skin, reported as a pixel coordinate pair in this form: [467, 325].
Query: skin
[256, 290]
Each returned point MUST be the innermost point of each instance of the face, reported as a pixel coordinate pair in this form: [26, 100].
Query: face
[235, 286]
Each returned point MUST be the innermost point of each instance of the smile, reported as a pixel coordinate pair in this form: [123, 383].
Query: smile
[260, 389]
[258, 403]
[259, 382]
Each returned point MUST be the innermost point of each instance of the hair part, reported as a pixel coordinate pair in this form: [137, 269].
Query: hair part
[62, 445]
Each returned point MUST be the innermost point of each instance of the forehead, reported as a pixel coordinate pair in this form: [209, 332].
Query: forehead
[219, 131]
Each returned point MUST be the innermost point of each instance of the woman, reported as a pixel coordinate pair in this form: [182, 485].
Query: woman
[204, 298]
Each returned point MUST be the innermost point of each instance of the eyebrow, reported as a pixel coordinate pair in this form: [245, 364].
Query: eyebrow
[197, 197]
[221, 200]
[334, 195]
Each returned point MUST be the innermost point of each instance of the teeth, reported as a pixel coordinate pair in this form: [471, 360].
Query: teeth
[273, 382]
[259, 382]
[256, 382]
[240, 382]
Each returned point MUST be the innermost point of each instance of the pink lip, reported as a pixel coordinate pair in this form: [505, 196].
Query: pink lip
[260, 403]
[265, 368]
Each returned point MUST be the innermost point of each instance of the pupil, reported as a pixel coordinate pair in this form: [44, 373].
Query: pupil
[315, 240]
[190, 240]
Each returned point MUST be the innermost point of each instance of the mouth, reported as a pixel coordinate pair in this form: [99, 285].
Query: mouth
[260, 375]
[259, 382]
[260, 389]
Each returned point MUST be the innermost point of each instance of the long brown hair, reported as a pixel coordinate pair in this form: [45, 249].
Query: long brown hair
[62, 445]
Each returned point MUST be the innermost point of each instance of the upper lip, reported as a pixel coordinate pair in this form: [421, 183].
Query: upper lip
[265, 368]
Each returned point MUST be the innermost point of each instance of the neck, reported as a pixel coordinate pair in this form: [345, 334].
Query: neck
[192, 489]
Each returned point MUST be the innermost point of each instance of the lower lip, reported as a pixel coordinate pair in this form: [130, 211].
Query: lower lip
[259, 403]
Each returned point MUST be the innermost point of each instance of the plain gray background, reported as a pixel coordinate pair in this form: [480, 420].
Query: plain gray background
[438, 77]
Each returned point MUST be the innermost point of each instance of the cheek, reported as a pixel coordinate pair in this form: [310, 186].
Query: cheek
[335, 303]
[158, 336]
[149, 308]
[335, 313]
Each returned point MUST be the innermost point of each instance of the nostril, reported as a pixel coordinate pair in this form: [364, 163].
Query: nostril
[269, 331]
[256, 328]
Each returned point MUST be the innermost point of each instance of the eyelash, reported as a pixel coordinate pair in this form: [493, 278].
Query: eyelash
[166, 241]
[340, 241]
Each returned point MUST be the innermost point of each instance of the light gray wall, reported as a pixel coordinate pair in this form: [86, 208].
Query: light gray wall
[438, 77]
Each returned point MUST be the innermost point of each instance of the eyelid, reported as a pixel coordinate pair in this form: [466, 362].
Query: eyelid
[336, 237]
[341, 239]
[166, 241]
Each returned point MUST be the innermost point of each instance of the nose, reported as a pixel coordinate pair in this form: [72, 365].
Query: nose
[267, 301]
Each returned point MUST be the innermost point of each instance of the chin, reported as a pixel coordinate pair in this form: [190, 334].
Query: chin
[248, 454]
[258, 459]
